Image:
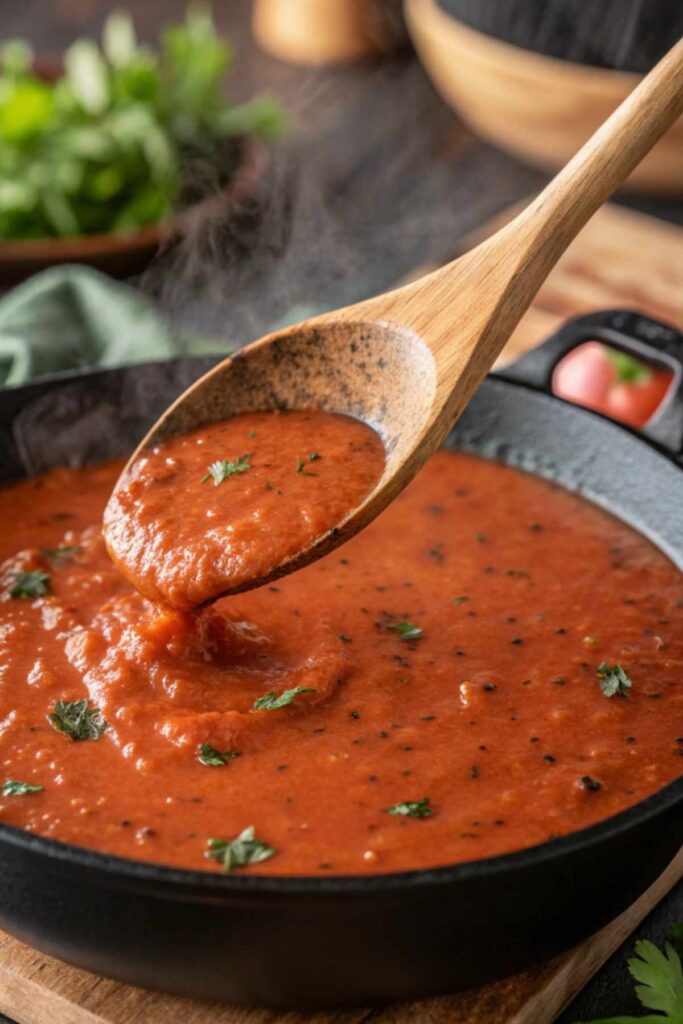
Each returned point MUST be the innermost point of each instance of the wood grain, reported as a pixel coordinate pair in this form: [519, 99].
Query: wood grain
[620, 260]
[37, 989]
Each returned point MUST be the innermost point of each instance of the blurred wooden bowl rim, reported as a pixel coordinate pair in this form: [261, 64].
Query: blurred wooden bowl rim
[126, 253]
[539, 108]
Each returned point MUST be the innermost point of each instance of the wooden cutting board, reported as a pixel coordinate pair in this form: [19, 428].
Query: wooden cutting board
[621, 259]
[36, 989]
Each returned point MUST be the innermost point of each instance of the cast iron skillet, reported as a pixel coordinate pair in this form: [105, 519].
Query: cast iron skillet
[311, 942]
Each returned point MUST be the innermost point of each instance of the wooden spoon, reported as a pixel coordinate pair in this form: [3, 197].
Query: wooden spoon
[408, 362]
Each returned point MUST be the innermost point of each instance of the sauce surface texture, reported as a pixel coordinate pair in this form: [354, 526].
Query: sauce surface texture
[209, 511]
[429, 693]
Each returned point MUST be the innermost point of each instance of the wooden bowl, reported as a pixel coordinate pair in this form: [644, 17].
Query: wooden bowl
[318, 32]
[539, 108]
[125, 254]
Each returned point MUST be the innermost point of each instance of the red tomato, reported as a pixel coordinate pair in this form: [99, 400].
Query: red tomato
[611, 382]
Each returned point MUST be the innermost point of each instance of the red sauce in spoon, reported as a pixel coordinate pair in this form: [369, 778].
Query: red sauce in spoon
[210, 511]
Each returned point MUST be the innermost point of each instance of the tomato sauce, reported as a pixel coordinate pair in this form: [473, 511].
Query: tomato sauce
[209, 511]
[442, 670]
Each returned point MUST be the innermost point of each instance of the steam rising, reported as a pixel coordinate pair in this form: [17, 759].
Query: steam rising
[376, 179]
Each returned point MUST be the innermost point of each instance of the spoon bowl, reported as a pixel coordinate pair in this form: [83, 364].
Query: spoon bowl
[407, 362]
[381, 374]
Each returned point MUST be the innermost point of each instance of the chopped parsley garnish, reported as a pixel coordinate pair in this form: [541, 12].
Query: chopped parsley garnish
[459, 600]
[314, 456]
[77, 720]
[60, 556]
[13, 788]
[613, 680]
[239, 852]
[221, 470]
[413, 808]
[208, 755]
[406, 630]
[301, 467]
[271, 701]
[30, 584]
[660, 983]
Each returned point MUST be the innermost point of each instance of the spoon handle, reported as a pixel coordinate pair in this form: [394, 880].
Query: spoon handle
[557, 215]
[494, 284]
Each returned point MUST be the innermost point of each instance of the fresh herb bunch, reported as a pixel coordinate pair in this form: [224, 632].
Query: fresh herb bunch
[102, 147]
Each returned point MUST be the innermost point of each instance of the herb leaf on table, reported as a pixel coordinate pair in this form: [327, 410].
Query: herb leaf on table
[660, 983]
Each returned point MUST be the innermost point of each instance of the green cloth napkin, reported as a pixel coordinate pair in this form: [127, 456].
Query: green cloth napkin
[69, 317]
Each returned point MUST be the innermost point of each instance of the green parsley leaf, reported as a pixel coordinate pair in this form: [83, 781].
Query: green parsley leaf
[459, 600]
[214, 758]
[30, 584]
[60, 556]
[221, 470]
[271, 702]
[406, 630]
[13, 788]
[613, 680]
[77, 720]
[660, 987]
[413, 808]
[314, 456]
[660, 978]
[237, 853]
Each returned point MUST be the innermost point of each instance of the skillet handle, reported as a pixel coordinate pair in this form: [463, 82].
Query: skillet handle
[631, 332]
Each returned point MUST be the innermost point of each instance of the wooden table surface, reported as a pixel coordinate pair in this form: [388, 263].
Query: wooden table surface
[378, 178]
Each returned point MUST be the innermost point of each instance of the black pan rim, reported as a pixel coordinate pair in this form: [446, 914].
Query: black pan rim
[210, 884]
